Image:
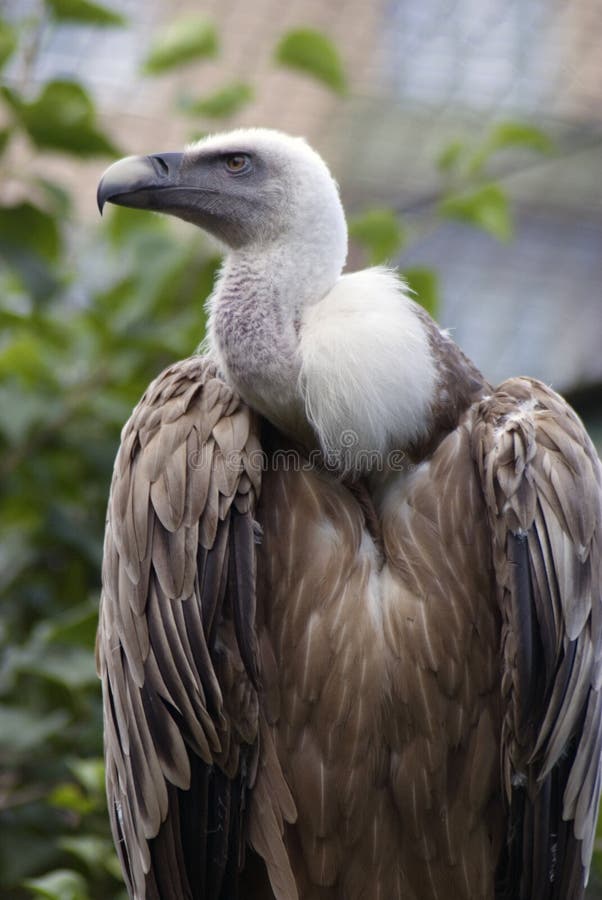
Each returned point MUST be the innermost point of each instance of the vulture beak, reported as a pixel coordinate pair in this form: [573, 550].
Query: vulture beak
[143, 182]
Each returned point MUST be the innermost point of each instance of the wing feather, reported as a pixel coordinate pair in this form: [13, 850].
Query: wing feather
[542, 483]
[177, 647]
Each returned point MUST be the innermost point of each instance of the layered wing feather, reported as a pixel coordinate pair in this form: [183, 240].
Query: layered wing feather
[542, 483]
[177, 647]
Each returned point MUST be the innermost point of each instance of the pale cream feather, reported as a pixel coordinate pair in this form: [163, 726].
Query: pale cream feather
[367, 372]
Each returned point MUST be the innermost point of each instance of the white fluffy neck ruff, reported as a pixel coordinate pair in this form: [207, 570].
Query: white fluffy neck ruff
[368, 375]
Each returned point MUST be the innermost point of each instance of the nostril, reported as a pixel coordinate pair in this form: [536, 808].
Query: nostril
[161, 164]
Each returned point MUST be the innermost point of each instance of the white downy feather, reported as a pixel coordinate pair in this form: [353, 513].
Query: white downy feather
[367, 372]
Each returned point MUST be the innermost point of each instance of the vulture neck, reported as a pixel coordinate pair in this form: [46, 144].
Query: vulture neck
[255, 315]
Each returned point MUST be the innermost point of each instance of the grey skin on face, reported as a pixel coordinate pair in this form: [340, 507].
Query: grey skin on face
[226, 194]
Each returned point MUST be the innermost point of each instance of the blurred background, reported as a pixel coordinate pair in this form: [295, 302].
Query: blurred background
[466, 136]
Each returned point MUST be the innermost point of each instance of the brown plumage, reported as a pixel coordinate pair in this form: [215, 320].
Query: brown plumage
[330, 687]
[349, 728]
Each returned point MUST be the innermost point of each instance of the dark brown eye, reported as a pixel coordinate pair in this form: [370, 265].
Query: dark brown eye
[237, 163]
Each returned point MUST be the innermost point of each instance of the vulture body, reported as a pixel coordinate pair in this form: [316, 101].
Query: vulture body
[350, 630]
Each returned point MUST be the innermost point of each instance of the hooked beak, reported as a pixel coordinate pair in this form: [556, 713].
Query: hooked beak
[143, 182]
[170, 183]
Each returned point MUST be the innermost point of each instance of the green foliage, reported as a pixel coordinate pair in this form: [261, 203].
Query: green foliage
[223, 103]
[379, 232]
[69, 377]
[509, 135]
[24, 731]
[27, 226]
[450, 158]
[8, 42]
[5, 135]
[30, 242]
[485, 206]
[425, 285]
[63, 884]
[186, 40]
[84, 11]
[61, 118]
[462, 160]
[311, 52]
[470, 194]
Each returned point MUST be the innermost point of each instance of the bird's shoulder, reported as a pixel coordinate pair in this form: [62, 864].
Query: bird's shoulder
[191, 442]
[530, 444]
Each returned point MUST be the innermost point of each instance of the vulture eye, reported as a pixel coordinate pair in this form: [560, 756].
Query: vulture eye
[237, 163]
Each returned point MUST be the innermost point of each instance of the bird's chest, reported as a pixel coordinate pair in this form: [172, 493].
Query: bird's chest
[385, 672]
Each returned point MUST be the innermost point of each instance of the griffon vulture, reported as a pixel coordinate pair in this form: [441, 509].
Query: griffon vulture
[350, 631]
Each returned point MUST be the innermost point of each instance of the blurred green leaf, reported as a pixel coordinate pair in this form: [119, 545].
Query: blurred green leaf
[509, 134]
[22, 357]
[21, 411]
[61, 118]
[84, 11]
[122, 223]
[5, 136]
[22, 730]
[91, 850]
[71, 797]
[184, 41]
[8, 41]
[311, 52]
[26, 225]
[34, 277]
[59, 199]
[62, 884]
[24, 850]
[223, 103]
[71, 667]
[425, 285]
[486, 208]
[29, 242]
[91, 774]
[520, 134]
[379, 232]
[450, 157]
[76, 626]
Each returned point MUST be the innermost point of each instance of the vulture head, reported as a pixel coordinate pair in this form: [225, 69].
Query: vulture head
[256, 190]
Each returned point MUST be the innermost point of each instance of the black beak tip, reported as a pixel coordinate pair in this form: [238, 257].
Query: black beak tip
[101, 196]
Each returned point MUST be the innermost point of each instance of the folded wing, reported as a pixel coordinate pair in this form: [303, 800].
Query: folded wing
[177, 646]
[542, 482]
